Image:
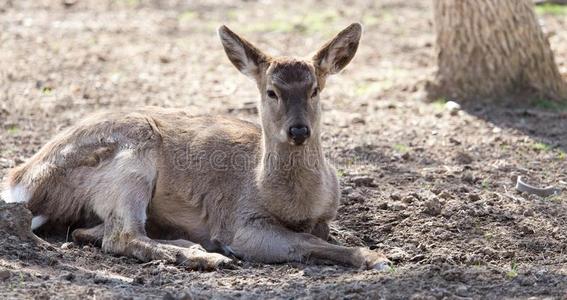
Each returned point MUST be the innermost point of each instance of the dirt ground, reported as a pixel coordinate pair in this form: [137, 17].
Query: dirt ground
[431, 187]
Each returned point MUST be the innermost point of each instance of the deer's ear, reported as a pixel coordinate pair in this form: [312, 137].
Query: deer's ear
[243, 55]
[338, 52]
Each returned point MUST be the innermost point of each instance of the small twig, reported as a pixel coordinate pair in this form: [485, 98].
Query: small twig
[542, 192]
[152, 262]
[542, 2]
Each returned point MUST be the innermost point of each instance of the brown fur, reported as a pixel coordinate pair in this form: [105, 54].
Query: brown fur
[167, 184]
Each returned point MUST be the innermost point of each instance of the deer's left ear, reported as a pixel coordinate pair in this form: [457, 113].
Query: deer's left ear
[338, 52]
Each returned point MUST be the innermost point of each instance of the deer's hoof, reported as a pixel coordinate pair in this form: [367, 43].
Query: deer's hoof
[204, 261]
[372, 260]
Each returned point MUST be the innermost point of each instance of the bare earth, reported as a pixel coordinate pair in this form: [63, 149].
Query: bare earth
[432, 189]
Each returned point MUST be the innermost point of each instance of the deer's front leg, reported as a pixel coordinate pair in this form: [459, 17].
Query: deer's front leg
[275, 244]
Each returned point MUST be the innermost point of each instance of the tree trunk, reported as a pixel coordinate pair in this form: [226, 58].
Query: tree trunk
[491, 48]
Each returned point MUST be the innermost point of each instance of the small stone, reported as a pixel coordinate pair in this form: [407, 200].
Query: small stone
[138, 280]
[347, 190]
[454, 141]
[168, 296]
[395, 196]
[397, 206]
[52, 261]
[4, 275]
[358, 120]
[409, 199]
[418, 196]
[311, 272]
[398, 254]
[474, 197]
[69, 3]
[453, 107]
[67, 246]
[165, 59]
[356, 197]
[433, 207]
[364, 181]
[100, 280]
[445, 195]
[526, 280]
[463, 158]
[528, 212]
[462, 291]
[68, 276]
[468, 177]
[526, 229]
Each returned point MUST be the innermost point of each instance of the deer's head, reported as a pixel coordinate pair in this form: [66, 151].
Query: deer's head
[290, 87]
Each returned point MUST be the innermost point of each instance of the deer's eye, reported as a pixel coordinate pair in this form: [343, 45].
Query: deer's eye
[272, 94]
[315, 93]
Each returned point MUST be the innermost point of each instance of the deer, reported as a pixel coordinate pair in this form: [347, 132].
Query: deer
[203, 191]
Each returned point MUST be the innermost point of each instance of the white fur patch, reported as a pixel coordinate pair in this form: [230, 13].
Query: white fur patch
[16, 194]
[38, 221]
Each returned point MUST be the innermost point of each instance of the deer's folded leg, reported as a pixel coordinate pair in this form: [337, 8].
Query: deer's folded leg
[275, 244]
[321, 230]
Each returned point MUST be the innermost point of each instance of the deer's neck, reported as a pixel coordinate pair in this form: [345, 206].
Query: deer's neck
[282, 161]
[294, 183]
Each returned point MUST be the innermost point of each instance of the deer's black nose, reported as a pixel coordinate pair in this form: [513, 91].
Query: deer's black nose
[299, 133]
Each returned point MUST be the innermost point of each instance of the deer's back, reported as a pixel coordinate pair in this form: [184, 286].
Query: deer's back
[197, 165]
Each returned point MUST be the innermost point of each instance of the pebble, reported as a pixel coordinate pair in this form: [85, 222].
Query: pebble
[526, 229]
[395, 196]
[311, 272]
[453, 107]
[409, 199]
[364, 181]
[474, 197]
[445, 195]
[528, 212]
[68, 276]
[468, 177]
[4, 275]
[347, 190]
[356, 197]
[358, 120]
[397, 206]
[433, 207]
[463, 158]
[526, 280]
[100, 280]
[67, 246]
[138, 280]
[454, 141]
[398, 254]
[462, 291]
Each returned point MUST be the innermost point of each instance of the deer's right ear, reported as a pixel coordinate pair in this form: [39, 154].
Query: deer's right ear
[243, 55]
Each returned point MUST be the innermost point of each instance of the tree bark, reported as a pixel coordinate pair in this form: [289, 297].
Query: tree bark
[492, 48]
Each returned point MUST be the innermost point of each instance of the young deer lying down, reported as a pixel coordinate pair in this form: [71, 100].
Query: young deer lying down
[165, 185]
